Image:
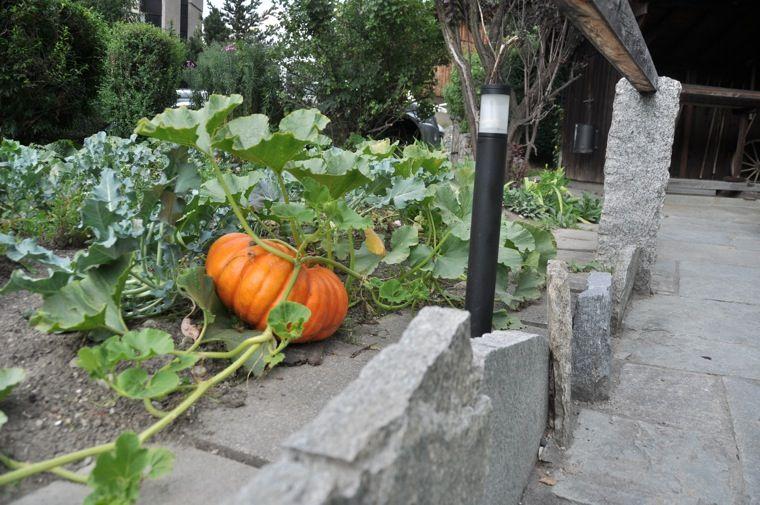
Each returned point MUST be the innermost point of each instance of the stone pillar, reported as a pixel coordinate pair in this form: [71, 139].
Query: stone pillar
[639, 148]
[560, 327]
[592, 340]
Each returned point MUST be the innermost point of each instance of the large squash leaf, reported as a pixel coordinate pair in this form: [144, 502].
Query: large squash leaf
[92, 303]
[193, 128]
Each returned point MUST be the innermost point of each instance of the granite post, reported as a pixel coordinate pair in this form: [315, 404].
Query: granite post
[560, 327]
[639, 148]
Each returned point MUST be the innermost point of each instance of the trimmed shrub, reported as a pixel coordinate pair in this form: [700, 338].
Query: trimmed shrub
[50, 68]
[142, 72]
[247, 68]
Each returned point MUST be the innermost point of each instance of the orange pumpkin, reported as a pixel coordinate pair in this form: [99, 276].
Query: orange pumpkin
[250, 282]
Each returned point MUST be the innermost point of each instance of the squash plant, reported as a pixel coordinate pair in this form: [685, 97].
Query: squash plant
[394, 223]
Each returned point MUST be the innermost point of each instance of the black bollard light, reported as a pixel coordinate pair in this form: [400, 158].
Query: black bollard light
[486, 206]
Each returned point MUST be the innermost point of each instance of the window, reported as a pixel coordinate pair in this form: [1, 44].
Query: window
[183, 19]
[152, 11]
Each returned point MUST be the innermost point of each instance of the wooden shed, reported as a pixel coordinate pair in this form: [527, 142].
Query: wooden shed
[712, 47]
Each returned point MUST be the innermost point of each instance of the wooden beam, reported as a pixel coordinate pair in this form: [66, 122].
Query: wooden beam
[713, 185]
[611, 26]
[688, 118]
[719, 97]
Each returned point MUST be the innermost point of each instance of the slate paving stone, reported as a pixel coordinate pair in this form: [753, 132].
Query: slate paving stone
[728, 254]
[744, 403]
[689, 353]
[665, 277]
[618, 461]
[682, 400]
[711, 281]
[733, 323]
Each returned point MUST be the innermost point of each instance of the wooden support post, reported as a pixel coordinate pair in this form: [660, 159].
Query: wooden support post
[688, 115]
[736, 161]
[611, 26]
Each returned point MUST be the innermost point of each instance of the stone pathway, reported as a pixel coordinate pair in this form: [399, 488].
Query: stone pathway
[683, 422]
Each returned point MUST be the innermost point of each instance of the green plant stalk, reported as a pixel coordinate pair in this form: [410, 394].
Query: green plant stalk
[226, 354]
[202, 334]
[148, 404]
[294, 228]
[432, 224]
[332, 263]
[351, 258]
[383, 305]
[27, 470]
[60, 472]
[430, 256]
[241, 218]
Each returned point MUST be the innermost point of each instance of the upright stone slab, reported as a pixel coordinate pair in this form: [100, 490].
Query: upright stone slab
[623, 275]
[639, 148]
[413, 428]
[592, 340]
[560, 328]
[515, 368]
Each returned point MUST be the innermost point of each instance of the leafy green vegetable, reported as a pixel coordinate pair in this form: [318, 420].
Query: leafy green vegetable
[288, 318]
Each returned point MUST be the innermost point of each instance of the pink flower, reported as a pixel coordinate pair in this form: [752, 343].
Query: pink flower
[230, 48]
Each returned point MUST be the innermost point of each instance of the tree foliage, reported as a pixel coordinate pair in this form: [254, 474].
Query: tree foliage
[243, 18]
[112, 11]
[143, 69]
[214, 27]
[246, 68]
[359, 61]
[50, 67]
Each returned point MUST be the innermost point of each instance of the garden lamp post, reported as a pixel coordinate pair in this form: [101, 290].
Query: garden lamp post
[486, 206]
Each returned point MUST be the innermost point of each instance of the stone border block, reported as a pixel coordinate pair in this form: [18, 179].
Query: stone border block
[515, 369]
[592, 339]
[412, 428]
[623, 275]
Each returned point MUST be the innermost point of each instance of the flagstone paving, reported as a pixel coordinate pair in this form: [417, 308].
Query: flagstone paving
[683, 422]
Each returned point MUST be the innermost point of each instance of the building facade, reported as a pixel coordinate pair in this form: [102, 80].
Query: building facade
[180, 16]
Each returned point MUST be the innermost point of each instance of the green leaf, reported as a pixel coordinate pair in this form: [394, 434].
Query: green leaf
[27, 250]
[118, 474]
[545, 244]
[149, 342]
[297, 211]
[306, 124]
[21, 280]
[10, 378]
[288, 318]
[503, 320]
[160, 462]
[238, 185]
[249, 138]
[192, 128]
[315, 193]
[404, 191]
[416, 156]
[3, 418]
[93, 303]
[194, 284]
[451, 261]
[518, 235]
[344, 217]
[421, 253]
[136, 383]
[364, 261]
[182, 362]
[510, 258]
[338, 170]
[402, 240]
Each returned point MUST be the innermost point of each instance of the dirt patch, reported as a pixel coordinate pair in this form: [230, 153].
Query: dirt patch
[58, 408]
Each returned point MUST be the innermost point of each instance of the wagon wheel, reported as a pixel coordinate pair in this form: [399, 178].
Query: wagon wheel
[751, 160]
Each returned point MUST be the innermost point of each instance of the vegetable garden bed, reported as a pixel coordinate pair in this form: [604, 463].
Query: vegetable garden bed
[142, 316]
